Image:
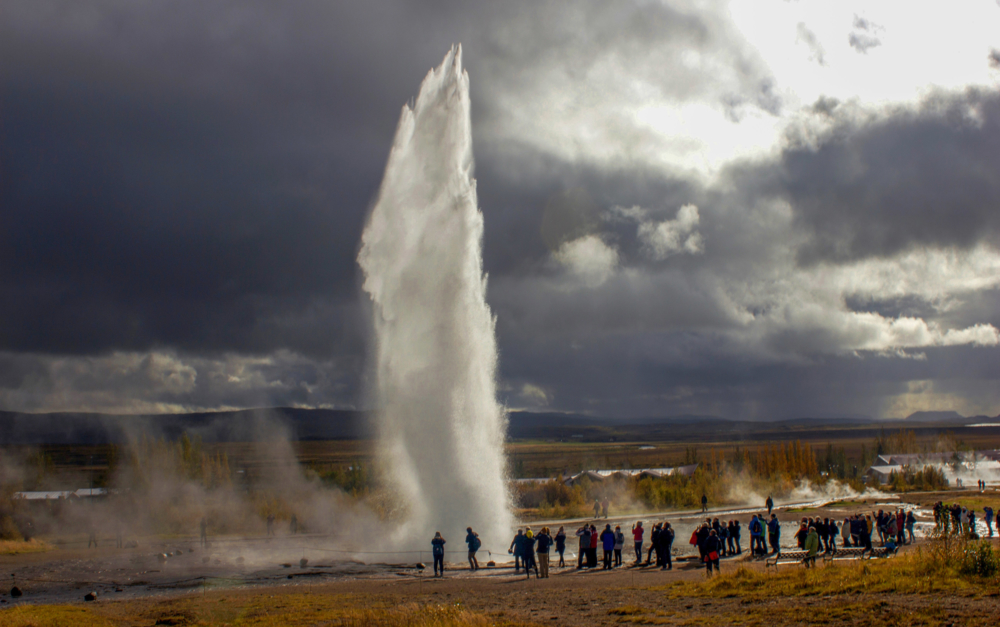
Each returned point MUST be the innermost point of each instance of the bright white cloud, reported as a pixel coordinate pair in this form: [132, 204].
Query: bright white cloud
[588, 259]
[760, 67]
[158, 382]
[662, 239]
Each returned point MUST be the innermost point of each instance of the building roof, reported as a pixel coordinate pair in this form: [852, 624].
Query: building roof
[42, 495]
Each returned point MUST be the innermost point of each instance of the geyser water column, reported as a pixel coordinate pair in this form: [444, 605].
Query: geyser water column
[440, 426]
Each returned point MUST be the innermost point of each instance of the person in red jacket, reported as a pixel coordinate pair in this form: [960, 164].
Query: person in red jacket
[637, 537]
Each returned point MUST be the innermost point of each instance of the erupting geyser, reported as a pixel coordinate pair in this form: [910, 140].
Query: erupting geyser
[441, 428]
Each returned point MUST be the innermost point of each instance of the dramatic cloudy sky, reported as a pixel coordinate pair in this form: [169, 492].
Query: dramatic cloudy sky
[758, 209]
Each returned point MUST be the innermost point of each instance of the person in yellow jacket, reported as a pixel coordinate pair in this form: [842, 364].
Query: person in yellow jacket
[812, 547]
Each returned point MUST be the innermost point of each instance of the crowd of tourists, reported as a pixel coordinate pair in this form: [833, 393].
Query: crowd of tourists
[957, 519]
[713, 539]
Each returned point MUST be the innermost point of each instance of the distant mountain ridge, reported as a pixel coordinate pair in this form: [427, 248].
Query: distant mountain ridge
[339, 424]
[936, 416]
[225, 426]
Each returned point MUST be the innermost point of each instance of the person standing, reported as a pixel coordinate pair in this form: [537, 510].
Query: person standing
[592, 553]
[437, 550]
[561, 546]
[597, 508]
[472, 539]
[987, 517]
[605, 504]
[736, 536]
[654, 535]
[801, 535]
[666, 546]
[704, 503]
[608, 545]
[811, 546]
[755, 534]
[711, 552]
[584, 534]
[637, 538]
[619, 545]
[528, 554]
[517, 549]
[774, 534]
[770, 504]
[544, 541]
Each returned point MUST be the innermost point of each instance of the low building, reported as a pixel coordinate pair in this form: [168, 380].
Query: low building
[960, 468]
[597, 476]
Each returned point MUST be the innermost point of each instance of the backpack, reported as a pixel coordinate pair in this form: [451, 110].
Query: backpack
[475, 544]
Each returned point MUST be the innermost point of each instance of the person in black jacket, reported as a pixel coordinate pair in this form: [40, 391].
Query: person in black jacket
[437, 546]
[702, 536]
[666, 545]
[516, 549]
[711, 552]
[561, 546]
[528, 554]
[654, 537]
[801, 535]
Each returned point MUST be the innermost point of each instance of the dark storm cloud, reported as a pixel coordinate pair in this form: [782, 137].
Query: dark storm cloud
[197, 175]
[915, 177]
[183, 186]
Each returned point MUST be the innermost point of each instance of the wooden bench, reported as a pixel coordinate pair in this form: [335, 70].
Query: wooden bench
[852, 553]
[786, 557]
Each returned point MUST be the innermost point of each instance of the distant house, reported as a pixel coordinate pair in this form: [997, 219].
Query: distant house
[597, 476]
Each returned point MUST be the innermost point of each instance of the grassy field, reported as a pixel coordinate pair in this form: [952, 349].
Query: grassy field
[277, 609]
[17, 547]
[924, 587]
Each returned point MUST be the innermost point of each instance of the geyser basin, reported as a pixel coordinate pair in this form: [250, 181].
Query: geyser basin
[440, 426]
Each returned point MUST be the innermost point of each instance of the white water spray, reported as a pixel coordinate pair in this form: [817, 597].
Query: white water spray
[441, 428]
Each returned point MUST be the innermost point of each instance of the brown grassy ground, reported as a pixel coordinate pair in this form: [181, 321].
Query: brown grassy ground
[908, 590]
[17, 547]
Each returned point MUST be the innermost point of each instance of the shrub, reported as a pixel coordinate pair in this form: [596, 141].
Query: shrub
[979, 558]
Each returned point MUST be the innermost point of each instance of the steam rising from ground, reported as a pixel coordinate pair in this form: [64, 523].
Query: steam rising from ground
[441, 428]
[744, 491]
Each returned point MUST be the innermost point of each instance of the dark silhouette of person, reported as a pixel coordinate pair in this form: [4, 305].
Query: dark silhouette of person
[437, 549]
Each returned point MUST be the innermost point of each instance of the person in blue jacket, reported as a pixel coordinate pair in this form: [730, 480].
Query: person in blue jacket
[608, 544]
[437, 549]
[774, 534]
[516, 549]
[472, 539]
